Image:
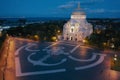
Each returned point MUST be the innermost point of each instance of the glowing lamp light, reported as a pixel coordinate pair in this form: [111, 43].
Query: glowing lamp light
[54, 38]
[112, 46]
[58, 31]
[36, 37]
[84, 41]
[7, 35]
[104, 44]
[115, 55]
[115, 59]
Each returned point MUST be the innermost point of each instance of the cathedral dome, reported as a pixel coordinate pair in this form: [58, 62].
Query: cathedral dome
[78, 13]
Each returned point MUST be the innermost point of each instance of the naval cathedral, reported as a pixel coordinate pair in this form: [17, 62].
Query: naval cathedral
[77, 28]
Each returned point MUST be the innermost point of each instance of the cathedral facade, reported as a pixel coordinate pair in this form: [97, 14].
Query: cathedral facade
[77, 28]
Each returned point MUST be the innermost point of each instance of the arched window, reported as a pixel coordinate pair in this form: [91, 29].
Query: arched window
[71, 38]
[71, 29]
[75, 39]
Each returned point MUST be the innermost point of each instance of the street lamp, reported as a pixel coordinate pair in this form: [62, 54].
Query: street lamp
[115, 55]
[115, 59]
[58, 31]
[112, 46]
[54, 38]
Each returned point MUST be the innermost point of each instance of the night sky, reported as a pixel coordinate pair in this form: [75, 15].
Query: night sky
[59, 8]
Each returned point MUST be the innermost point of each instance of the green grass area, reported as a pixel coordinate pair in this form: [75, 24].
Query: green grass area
[115, 64]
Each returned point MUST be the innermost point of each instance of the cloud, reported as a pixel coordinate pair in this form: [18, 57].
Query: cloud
[96, 11]
[66, 6]
[91, 2]
[86, 1]
[72, 4]
[102, 11]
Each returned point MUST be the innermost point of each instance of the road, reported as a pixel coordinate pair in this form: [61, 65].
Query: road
[60, 60]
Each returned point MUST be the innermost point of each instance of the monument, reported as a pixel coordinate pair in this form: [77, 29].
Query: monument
[77, 28]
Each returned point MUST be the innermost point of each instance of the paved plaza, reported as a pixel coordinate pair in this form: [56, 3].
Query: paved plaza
[60, 61]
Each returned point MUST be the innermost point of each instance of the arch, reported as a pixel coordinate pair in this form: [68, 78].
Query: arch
[75, 39]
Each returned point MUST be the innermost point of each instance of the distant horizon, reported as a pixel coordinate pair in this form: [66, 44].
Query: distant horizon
[59, 8]
[56, 17]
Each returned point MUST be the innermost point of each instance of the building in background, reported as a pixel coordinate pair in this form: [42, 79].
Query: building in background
[77, 28]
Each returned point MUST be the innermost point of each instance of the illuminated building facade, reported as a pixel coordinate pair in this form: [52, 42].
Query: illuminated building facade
[77, 28]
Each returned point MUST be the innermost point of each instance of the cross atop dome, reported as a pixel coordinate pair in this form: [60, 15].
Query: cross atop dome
[78, 8]
[78, 11]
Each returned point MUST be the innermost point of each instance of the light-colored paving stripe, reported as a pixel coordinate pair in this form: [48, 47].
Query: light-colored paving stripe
[17, 66]
[55, 64]
[17, 51]
[41, 72]
[86, 47]
[37, 62]
[84, 60]
[69, 44]
[74, 49]
[40, 62]
[19, 73]
[100, 60]
[44, 58]
[27, 47]
[51, 45]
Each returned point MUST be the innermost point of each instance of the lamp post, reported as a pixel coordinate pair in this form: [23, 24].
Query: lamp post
[115, 58]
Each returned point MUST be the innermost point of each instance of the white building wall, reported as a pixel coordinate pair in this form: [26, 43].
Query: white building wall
[77, 28]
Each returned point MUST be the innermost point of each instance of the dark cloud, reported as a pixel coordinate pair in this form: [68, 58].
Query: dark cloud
[68, 5]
